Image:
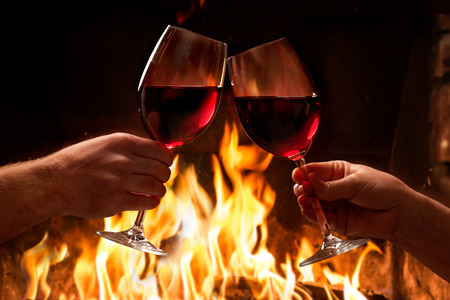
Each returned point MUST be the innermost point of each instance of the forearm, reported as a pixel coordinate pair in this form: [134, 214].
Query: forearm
[423, 230]
[25, 196]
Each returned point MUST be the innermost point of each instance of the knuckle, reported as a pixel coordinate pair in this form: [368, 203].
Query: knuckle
[155, 187]
[166, 175]
[121, 139]
[329, 190]
[166, 156]
[160, 191]
[119, 161]
[161, 171]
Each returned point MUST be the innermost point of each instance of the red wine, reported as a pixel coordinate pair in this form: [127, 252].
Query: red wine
[175, 114]
[284, 126]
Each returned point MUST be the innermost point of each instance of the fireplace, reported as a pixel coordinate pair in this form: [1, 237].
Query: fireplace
[219, 223]
[371, 71]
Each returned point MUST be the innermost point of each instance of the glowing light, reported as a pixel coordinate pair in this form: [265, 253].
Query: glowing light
[291, 153]
[36, 263]
[313, 128]
[211, 242]
[174, 144]
[208, 113]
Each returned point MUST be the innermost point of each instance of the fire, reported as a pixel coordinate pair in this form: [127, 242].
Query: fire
[36, 262]
[305, 250]
[351, 287]
[183, 14]
[217, 245]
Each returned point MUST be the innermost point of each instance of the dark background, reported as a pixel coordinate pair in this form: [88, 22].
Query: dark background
[71, 69]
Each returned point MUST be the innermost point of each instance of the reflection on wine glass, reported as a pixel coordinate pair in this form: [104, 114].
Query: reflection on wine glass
[279, 109]
[178, 96]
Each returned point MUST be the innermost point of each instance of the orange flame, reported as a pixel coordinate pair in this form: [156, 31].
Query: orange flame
[214, 243]
[36, 263]
[183, 15]
[351, 287]
[305, 250]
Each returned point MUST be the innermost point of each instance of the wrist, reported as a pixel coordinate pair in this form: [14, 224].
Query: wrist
[409, 215]
[51, 179]
[26, 197]
[423, 231]
[41, 189]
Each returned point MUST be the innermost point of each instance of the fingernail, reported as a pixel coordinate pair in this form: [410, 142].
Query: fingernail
[298, 201]
[298, 190]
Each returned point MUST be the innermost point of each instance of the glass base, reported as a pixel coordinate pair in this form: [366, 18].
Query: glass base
[333, 246]
[133, 238]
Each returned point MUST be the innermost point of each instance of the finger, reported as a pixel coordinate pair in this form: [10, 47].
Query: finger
[331, 219]
[335, 189]
[145, 185]
[307, 188]
[304, 201]
[299, 174]
[330, 170]
[153, 150]
[298, 190]
[303, 189]
[151, 167]
[308, 211]
[125, 201]
[136, 201]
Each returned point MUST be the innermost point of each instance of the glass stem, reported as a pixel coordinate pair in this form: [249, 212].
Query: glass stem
[140, 219]
[323, 223]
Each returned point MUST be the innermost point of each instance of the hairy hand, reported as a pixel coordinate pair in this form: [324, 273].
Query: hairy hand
[109, 174]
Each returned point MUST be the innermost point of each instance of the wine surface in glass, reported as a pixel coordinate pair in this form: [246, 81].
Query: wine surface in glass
[284, 126]
[175, 114]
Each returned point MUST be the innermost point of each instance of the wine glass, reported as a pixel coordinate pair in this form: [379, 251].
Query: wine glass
[279, 109]
[178, 96]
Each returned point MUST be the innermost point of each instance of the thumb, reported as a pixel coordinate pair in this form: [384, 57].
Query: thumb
[334, 189]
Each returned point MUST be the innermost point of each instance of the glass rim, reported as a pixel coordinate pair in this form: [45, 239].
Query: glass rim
[172, 28]
[260, 46]
[193, 33]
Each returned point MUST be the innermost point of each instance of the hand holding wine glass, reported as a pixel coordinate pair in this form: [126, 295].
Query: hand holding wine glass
[362, 201]
[178, 96]
[357, 200]
[279, 109]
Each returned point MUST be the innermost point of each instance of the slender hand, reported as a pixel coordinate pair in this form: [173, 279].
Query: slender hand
[93, 179]
[361, 201]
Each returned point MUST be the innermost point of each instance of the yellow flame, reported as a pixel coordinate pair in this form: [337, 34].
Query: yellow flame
[351, 287]
[36, 263]
[351, 292]
[305, 250]
[332, 277]
[84, 269]
[214, 243]
[370, 247]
